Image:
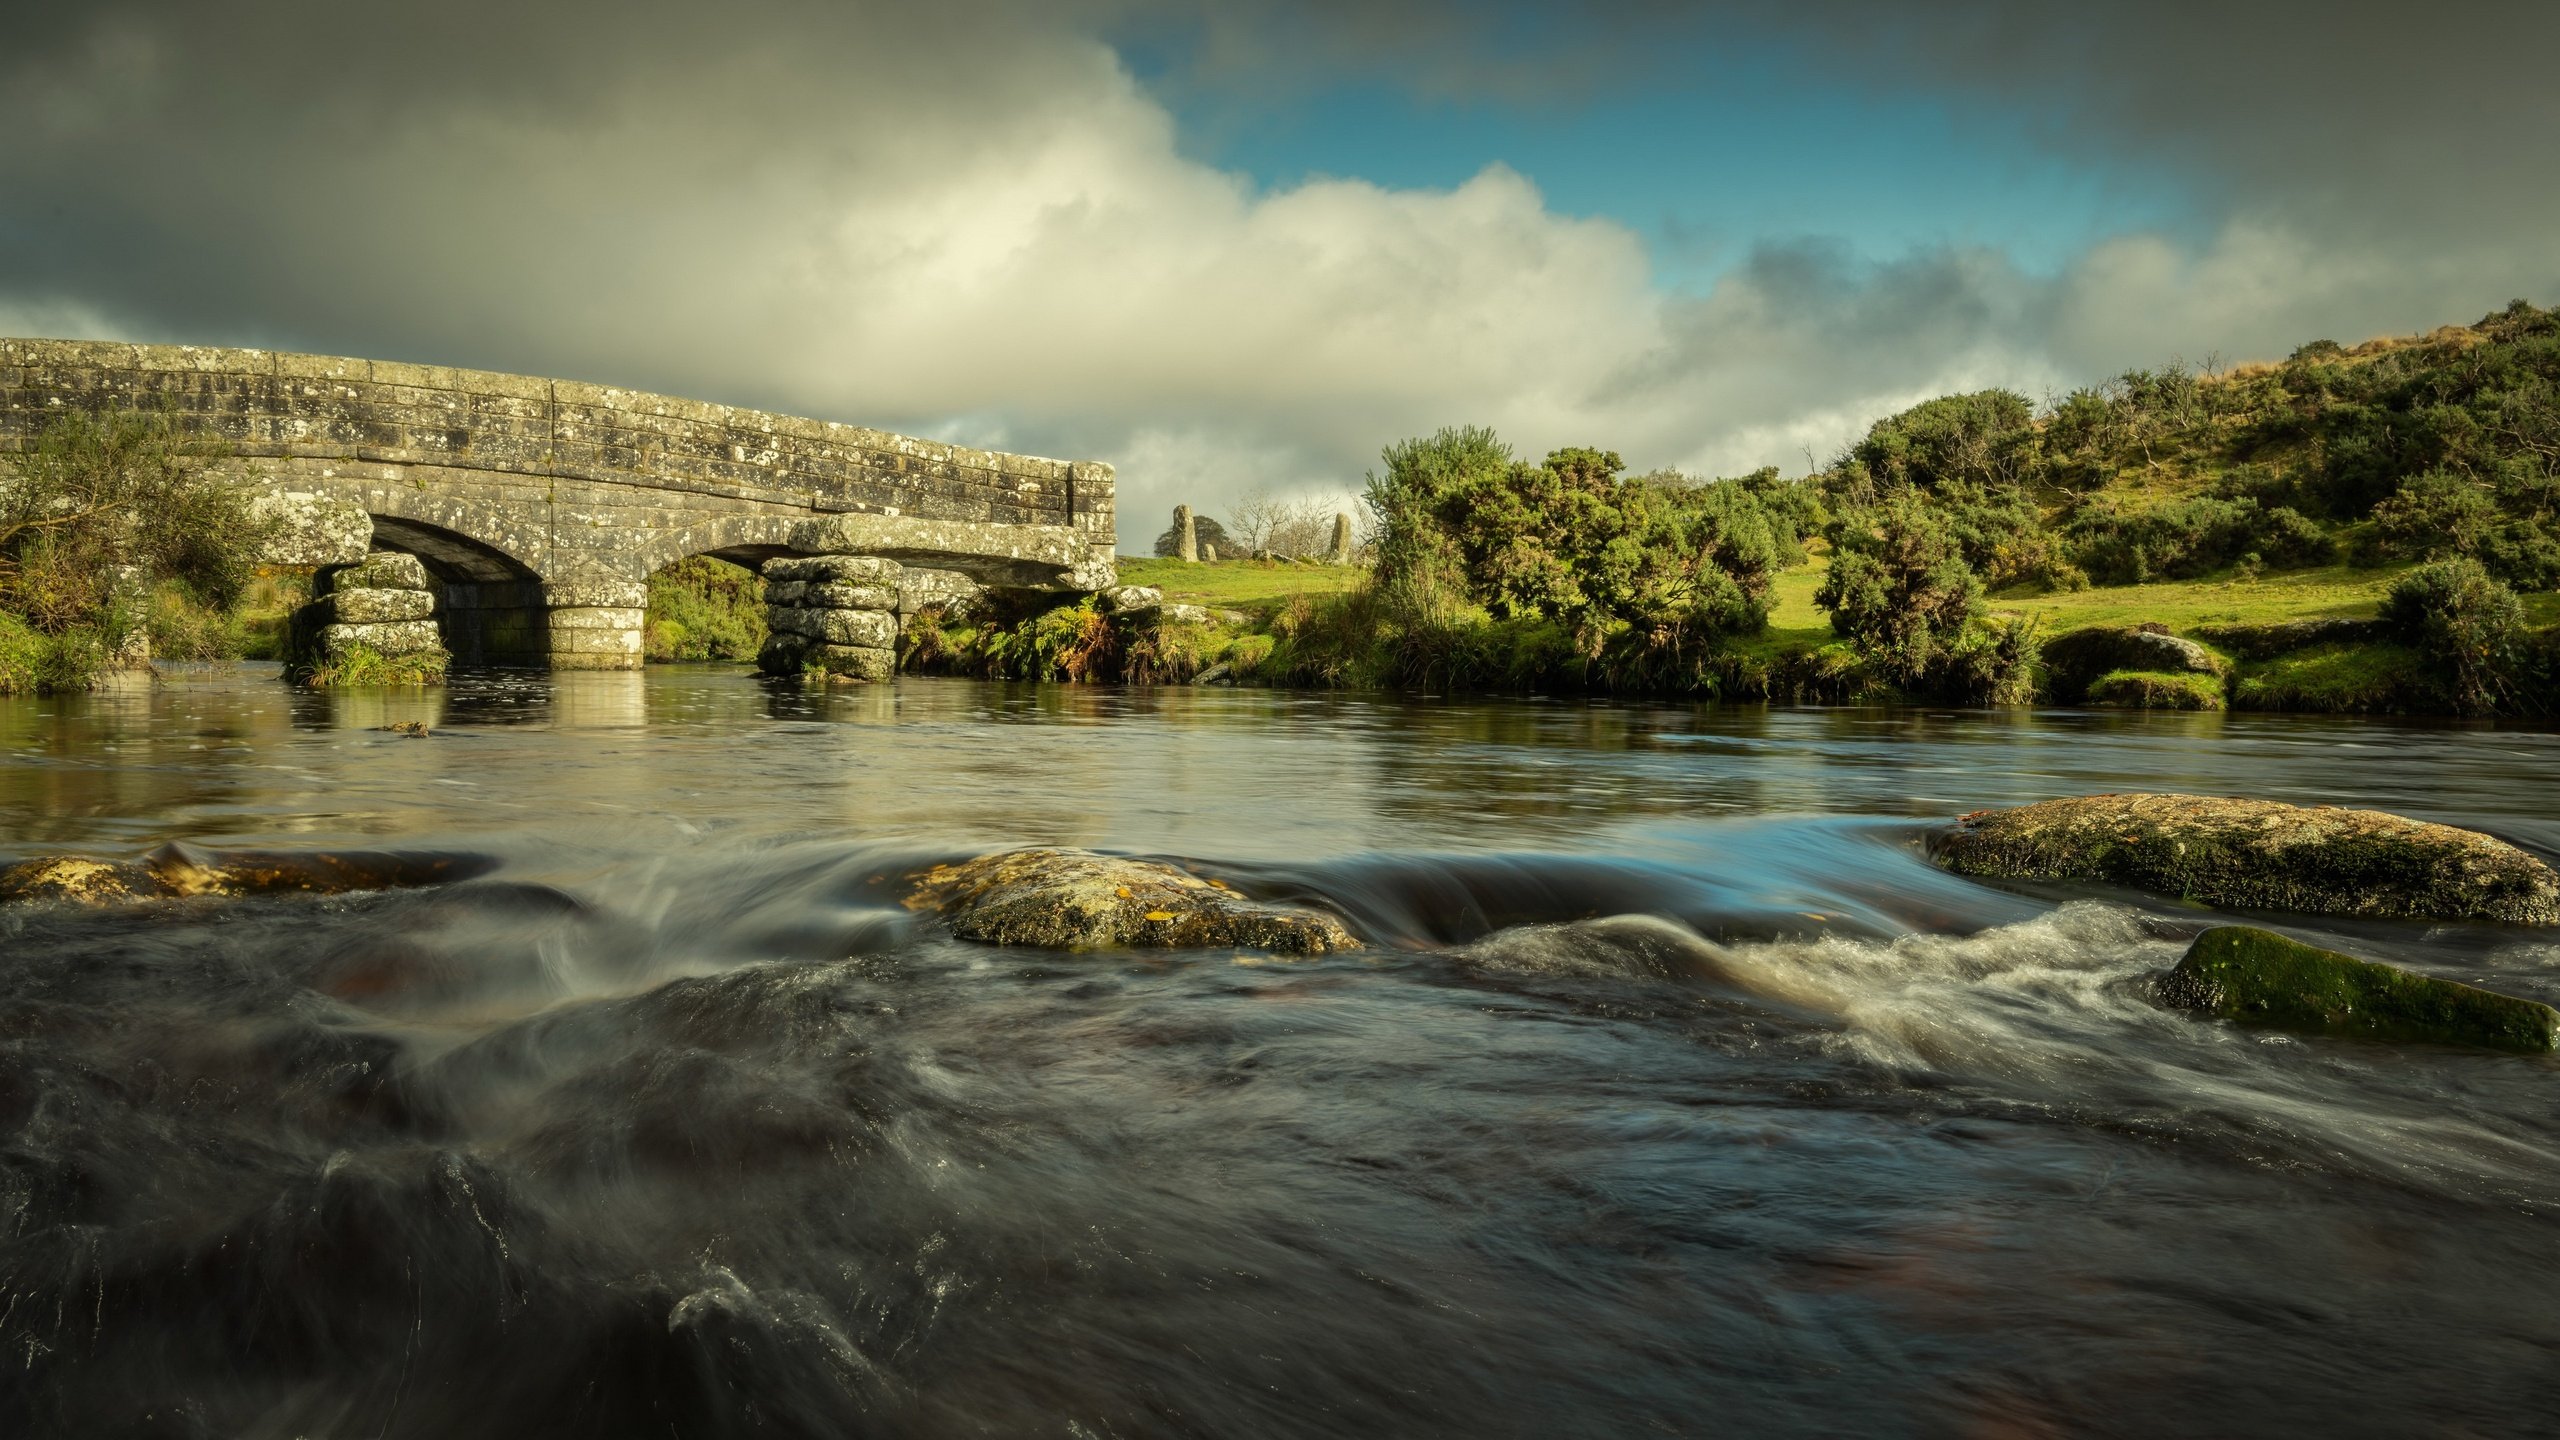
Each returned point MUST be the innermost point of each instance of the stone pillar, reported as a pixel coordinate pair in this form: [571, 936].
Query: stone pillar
[596, 624]
[385, 605]
[1341, 554]
[1186, 537]
[834, 613]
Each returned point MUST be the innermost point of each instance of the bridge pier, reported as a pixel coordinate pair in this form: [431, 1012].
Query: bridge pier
[596, 624]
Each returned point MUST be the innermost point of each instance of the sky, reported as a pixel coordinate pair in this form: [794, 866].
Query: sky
[1230, 245]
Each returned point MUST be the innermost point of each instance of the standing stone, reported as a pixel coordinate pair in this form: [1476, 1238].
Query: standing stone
[1341, 554]
[1188, 535]
[1208, 552]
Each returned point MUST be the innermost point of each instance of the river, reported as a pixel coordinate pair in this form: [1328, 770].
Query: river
[1675, 1094]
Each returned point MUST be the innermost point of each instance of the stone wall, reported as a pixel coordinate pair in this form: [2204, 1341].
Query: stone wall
[506, 481]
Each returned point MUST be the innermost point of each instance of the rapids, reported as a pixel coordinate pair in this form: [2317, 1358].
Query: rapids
[1675, 1094]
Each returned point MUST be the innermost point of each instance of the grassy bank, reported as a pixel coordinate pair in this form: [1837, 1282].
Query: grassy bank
[1312, 625]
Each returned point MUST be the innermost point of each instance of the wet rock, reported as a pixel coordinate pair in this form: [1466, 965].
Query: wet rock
[2075, 661]
[1076, 899]
[2260, 855]
[176, 871]
[2257, 977]
[2155, 690]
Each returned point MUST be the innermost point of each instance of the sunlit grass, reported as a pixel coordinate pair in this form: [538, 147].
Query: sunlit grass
[1239, 582]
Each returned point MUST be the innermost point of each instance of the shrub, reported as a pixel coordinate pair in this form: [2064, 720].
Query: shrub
[701, 608]
[1899, 588]
[2442, 515]
[103, 510]
[2468, 627]
[2191, 537]
[1985, 439]
[1571, 543]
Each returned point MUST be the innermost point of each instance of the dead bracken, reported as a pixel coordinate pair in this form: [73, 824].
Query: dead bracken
[1080, 900]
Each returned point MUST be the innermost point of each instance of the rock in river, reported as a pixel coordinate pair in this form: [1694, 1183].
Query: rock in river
[176, 871]
[2260, 855]
[1076, 899]
[2257, 977]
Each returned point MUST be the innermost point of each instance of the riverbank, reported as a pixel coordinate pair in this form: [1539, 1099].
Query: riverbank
[2307, 640]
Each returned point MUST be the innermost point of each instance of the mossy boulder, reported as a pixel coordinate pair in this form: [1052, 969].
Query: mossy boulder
[2257, 977]
[2075, 661]
[1079, 900]
[2154, 690]
[2259, 855]
[177, 871]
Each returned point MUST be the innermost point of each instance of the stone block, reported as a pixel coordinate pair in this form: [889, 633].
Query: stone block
[830, 595]
[864, 534]
[604, 593]
[598, 617]
[854, 662]
[376, 607]
[382, 570]
[919, 589]
[876, 628]
[858, 569]
[405, 637]
[581, 640]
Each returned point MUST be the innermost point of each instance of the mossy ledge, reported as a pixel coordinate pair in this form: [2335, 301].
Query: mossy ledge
[2259, 855]
[2257, 977]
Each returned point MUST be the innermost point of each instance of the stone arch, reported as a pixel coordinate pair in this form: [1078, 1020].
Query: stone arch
[740, 539]
[489, 604]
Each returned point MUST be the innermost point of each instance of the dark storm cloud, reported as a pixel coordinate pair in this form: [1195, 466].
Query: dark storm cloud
[969, 219]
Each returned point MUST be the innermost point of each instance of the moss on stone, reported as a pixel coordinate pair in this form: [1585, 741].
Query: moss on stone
[2260, 855]
[2257, 977]
[2155, 690]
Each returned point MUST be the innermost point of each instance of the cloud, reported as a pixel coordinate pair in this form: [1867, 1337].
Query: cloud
[972, 221]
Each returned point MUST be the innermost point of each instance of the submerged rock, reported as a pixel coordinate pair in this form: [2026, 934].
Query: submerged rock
[2257, 977]
[176, 871]
[2260, 855]
[1076, 899]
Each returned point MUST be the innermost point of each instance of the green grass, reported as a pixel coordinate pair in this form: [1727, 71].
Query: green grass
[1260, 583]
[360, 667]
[2156, 690]
[2337, 679]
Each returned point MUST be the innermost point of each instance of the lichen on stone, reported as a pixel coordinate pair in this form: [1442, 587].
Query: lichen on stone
[1079, 900]
[2259, 855]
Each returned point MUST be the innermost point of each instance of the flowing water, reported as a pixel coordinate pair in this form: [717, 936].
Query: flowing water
[1676, 1093]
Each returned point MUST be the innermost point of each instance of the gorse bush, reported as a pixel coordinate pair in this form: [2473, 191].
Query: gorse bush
[104, 510]
[2467, 626]
[2189, 538]
[1899, 588]
[1575, 542]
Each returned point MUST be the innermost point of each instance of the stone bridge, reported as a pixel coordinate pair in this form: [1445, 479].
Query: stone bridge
[540, 507]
